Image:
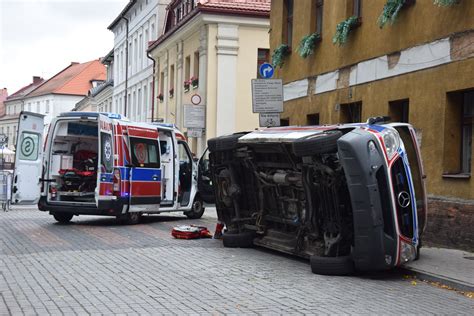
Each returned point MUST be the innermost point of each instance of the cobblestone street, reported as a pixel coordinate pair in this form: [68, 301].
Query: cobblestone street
[95, 266]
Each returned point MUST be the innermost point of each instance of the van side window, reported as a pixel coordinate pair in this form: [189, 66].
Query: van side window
[145, 153]
[106, 152]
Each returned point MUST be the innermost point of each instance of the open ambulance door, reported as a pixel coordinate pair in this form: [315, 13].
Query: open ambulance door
[145, 169]
[105, 162]
[28, 159]
[205, 185]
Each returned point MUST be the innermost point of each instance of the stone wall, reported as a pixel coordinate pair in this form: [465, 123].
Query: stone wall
[450, 224]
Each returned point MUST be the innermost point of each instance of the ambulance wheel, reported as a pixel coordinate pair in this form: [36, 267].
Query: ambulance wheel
[197, 209]
[131, 218]
[63, 218]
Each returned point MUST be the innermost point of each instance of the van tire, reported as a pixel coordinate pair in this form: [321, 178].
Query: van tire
[325, 142]
[197, 209]
[239, 240]
[63, 218]
[130, 218]
[332, 265]
[223, 143]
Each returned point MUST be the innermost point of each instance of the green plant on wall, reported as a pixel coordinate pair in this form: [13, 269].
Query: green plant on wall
[342, 30]
[279, 55]
[307, 44]
[446, 3]
[390, 12]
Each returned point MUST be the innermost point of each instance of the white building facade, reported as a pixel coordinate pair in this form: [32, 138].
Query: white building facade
[139, 23]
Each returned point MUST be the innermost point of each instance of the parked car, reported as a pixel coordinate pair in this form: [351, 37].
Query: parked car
[348, 197]
[104, 164]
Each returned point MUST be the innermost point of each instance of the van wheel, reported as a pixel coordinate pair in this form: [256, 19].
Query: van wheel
[197, 209]
[322, 143]
[131, 218]
[63, 218]
[332, 265]
[239, 240]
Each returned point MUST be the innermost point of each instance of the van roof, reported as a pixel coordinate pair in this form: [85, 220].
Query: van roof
[114, 116]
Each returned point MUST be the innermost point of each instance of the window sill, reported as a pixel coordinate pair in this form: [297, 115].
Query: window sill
[457, 176]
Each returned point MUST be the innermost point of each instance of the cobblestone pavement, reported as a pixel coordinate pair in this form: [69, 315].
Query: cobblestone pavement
[95, 266]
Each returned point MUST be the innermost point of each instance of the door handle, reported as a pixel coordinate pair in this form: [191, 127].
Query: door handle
[102, 179]
[155, 177]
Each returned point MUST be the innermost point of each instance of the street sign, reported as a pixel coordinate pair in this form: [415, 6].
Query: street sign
[267, 95]
[195, 132]
[269, 119]
[196, 99]
[3, 139]
[266, 70]
[194, 116]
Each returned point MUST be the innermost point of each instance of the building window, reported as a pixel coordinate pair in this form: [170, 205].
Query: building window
[284, 122]
[196, 65]
[351, 113]
[139, 103]
[319, 16]
[399, 110]
[312, 119]
[47, 106]
[467, 123]
[38, 107]
[171, 83]
[356, 8]
[140, 55]
[263, 56]
[187, 68]
[162, 83]
[288, 21]
[458, 129]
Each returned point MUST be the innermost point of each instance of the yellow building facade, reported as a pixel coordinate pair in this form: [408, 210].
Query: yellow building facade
[420, 70]
[207, 56]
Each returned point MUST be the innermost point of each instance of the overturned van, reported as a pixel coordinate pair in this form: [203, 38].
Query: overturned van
[103, 164]
[348, 197]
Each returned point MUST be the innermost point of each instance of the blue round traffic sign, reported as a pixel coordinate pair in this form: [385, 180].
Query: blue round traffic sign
[266, 70]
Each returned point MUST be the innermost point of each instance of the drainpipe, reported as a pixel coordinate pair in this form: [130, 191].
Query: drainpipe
[152, 90]
[126, 67]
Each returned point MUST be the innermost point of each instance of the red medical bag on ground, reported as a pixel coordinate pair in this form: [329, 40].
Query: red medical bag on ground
[190, 232]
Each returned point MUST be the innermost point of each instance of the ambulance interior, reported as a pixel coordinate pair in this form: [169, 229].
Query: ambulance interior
[74, 161]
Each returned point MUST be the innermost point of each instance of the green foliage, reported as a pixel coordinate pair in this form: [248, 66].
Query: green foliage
[390, 12]
[279, 55]
[445, 3]
[342, 30]
[307, 44]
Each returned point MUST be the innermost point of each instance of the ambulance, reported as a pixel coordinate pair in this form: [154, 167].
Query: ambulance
[103, 164]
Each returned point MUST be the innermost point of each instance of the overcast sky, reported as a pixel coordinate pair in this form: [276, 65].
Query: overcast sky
[42, 37]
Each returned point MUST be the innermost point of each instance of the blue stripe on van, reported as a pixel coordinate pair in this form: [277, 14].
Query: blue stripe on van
[140, 174]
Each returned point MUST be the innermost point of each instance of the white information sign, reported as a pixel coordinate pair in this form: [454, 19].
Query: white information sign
[267, 95]
[195, 132]
[194, 116]
[269, 119]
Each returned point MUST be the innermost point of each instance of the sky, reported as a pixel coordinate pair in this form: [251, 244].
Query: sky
[42, 37]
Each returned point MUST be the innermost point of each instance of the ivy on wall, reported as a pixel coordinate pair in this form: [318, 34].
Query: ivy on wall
[279, 55]
[307, 44]
[343, 29]
[390, 12]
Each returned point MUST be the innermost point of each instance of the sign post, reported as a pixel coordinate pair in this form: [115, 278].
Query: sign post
[195, 119]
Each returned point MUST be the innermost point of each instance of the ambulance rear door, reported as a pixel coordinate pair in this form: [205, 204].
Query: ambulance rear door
[105, 170]
[28, 159]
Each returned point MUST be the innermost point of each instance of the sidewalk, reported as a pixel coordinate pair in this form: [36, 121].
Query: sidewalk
[450, 267]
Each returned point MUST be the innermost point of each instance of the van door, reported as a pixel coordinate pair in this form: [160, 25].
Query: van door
[105, 168]
[28, 159]
[205, 186]
[145, 171]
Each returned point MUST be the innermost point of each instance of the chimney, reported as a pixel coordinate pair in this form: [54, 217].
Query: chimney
[37, 79]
